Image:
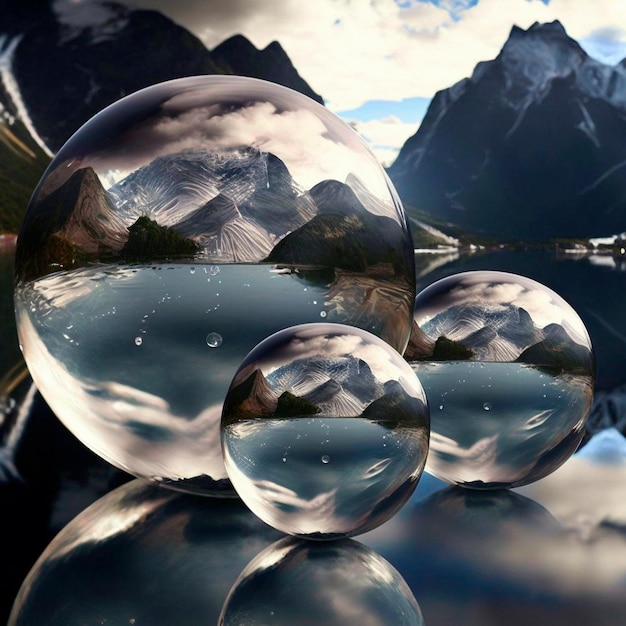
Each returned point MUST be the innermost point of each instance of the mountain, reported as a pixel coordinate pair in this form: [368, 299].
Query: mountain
[397, 406]
[558, 350]
[272, 204]
[22, 159]
[324, 381]
[239, 56]
[507, 333]
[235, 203]
[74, 221]
[219, 227]
[61, 63]
[490, 334]
[85, 60]
[531, 146]
[249, 396]
[22, 163]
[344, 234]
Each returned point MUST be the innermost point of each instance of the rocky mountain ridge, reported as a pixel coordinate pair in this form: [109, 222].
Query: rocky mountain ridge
[56, 72]
[532, 146]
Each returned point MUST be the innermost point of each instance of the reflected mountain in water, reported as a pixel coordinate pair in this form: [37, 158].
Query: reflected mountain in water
[341, 386]
[72, 224]
[233, 206]
[504, 332]
[171, 186]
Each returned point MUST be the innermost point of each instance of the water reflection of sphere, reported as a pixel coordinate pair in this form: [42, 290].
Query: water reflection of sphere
[508, 370]
[173, 232]
[142, 555]
[308, 583]
[325, 431]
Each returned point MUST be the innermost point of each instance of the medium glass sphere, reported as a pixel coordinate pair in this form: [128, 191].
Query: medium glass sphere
[174, 231]
[325, 431]
[508, 370]
[294, 581]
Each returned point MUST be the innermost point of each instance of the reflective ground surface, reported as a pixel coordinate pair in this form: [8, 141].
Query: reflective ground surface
[550, 552]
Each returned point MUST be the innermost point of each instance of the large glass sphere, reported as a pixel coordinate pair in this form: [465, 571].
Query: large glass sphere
[174, 231]
[325, 431]
[294, 581]
[508, 370]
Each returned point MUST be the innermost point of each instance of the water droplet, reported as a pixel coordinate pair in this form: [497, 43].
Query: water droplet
[214, 340]
[284, 459]
[323, 314]
[138, 341]
[214, 270]
[487, 406]
[192, 270]
[325, 459]
[441, 407]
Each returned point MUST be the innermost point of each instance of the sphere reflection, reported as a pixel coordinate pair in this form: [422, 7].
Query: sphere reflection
[508, 369]
[325, 431]
[173, 232]
[142, 555]
[308, 583]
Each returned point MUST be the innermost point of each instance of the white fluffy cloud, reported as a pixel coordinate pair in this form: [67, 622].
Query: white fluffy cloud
[385, 136]
[352, 52]
[355, 51]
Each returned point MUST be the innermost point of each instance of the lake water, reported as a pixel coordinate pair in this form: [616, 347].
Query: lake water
[501, 424]
[136, 360]
[594, 286]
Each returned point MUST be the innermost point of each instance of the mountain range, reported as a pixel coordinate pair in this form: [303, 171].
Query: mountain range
[339, 386]
[530, 147]
[54, 78]
[481, 333]
[326, 226]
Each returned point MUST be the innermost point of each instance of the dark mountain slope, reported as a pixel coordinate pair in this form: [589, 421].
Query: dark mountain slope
[532, 146]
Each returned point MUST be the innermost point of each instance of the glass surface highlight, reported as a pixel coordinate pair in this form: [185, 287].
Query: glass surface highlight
[508, 369]
[142, 555]
[334, 583]
[325, 431]
[172, 233]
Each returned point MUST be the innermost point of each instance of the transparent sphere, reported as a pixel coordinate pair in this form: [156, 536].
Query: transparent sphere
[508, 370]
[173, 232]
[325, 431]
[142, 555]
[294, 581]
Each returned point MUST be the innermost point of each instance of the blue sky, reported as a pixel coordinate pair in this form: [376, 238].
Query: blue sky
[378, 63]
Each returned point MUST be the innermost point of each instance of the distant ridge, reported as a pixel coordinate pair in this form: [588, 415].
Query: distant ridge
[67, 73]
[83, 69]
[532, 146]
[272, 63]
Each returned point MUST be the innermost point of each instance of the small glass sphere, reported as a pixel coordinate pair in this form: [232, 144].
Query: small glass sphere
[508, 369]
[142, 555]
[325, 431]
[294, 581]
[173, 232]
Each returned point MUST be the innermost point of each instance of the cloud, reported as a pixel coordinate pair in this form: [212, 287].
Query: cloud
[385, 136]
[333, 341]
[226, 115]
[354, 52]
